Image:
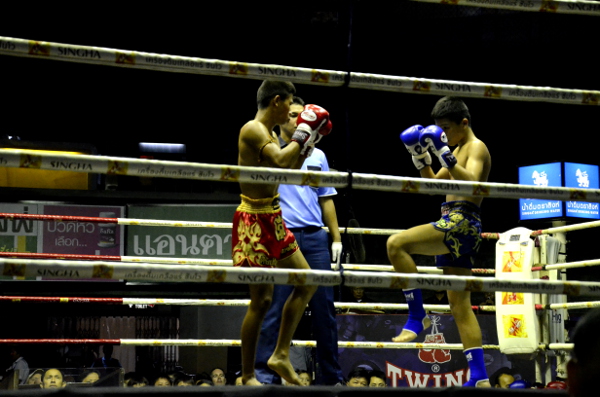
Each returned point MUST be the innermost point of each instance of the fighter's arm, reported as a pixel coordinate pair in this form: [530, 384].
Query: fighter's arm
[427, 172]
[476, 166]
[259, 147]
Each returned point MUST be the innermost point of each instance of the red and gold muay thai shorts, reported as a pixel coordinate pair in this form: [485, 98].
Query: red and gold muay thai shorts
[259, 237]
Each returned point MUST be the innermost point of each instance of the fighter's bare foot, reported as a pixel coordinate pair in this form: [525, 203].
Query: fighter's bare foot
[407, 335]
[478, 383]
[251, 382]
[285, 369]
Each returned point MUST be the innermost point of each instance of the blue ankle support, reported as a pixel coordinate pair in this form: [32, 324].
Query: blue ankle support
[476, 366]
[416, 313]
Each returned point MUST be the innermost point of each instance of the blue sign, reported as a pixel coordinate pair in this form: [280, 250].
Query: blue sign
[543, 175]
[582, 176]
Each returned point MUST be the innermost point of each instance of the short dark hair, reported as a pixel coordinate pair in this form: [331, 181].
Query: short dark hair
[376, 373]
[359, 372]
[134, 378]
[451, 108]
[269, 89]
[162, 375]
[495, 378]
[298, 101]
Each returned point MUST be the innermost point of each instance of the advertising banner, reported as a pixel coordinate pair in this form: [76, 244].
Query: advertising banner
[544, 175]
[82, 238]
[582, 176]
[19, 235]
[208, 243]
[417, 367]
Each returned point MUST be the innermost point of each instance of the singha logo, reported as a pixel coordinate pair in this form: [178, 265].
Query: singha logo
[540, 178]
[582, 178]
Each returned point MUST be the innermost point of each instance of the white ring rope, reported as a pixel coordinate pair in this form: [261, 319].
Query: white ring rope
[385, 268]
[390, 268]
[341, 344]
[234, 303]
[555, 6]
[231, 173]
[169, 63]
[568, 228]
[573, 265]
[211, 302]
[245, 302]
[574, 305]
[229, 225]
[57, 269]
[170, 223]
[208, 262]
[300, 343]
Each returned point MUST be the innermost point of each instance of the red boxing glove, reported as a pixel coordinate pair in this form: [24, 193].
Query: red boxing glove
[313, 123]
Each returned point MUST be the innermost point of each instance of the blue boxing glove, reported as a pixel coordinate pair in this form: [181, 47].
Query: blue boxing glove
[434, 137]
[420, 155]
[519, 384]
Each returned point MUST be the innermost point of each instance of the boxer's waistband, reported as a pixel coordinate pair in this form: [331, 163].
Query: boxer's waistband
[268, 204]
[462, 204]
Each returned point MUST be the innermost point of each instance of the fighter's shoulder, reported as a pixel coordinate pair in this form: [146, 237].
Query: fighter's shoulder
[254, 125]
[477, 147]
[254, 129]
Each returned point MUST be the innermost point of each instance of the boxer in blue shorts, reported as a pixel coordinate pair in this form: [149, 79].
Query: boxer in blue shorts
[454, 239]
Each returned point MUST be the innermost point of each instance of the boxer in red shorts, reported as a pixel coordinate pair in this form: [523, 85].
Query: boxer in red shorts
[260, 237]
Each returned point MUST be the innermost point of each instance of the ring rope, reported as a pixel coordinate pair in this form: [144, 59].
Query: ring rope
[207, 262]
[568, 228]
[246, 302]
[56, 269]
[420, 269]
[212, 67]
[237, 342]
[231, 173]
[159, 222]
[116, 258]
[229, 225]
[579, 7]
[551, 230]
[569, 265]
[118, 221]
[574, 305]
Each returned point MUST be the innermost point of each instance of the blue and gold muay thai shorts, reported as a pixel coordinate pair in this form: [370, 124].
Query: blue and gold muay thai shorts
[461, 225]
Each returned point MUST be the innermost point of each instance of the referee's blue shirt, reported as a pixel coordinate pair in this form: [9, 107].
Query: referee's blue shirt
[300, 204]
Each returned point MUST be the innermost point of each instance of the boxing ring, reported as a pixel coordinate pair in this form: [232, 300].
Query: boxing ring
[148, 269]
[22, 266]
